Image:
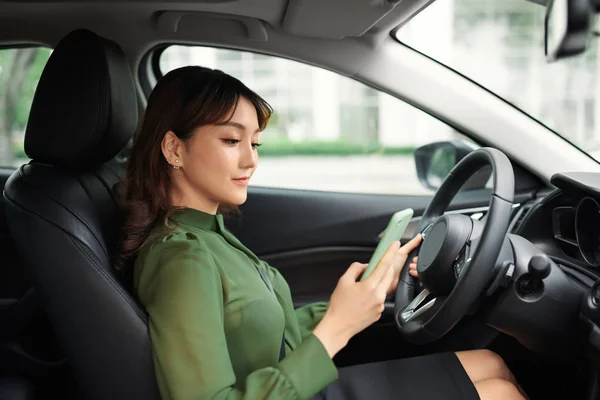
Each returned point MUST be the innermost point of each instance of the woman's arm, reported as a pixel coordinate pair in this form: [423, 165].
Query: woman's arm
[309, 316]
[184, 299]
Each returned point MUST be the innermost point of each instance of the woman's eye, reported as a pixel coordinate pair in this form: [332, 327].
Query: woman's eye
[236, 141]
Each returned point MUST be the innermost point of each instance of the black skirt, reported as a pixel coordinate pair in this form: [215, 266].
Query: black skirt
[432, 377]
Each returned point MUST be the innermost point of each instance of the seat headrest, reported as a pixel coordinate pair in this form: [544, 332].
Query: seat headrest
[84, 109]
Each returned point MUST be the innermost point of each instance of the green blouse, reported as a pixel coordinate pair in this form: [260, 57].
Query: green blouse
[216, 327]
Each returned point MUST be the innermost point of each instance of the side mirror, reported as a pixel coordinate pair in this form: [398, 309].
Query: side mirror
[566, 28]
[434, 161]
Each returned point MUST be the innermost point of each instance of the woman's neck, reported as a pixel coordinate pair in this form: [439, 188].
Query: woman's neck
[196, 201]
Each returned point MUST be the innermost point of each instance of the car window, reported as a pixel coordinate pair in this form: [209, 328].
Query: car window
[500, 45]
[20, 71]
[328, 132]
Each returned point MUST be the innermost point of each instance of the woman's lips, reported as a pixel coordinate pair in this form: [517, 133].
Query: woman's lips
[242, 181]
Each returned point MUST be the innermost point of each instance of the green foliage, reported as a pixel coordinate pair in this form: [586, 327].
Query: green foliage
[306, 148]
[19, 150]
[280, 148]
[28, 88]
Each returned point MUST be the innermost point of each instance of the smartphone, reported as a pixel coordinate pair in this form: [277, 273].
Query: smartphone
[394, 231]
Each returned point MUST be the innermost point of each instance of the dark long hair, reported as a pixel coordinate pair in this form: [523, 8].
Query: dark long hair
[183, 100]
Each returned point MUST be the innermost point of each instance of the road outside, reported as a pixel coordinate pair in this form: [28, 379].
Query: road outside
[359, 174]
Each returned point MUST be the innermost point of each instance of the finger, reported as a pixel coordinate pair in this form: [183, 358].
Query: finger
[413, 273]
[385, 264]
[411, 244]
[354, 272]
[412, 269]
[399, 261]
[387, 280]
[415, 259]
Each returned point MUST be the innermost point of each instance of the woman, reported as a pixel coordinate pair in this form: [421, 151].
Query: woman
[222, 322]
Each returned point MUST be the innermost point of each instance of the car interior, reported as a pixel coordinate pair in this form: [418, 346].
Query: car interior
[513, 233]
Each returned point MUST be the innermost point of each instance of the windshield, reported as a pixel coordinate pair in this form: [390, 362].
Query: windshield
[500, 45]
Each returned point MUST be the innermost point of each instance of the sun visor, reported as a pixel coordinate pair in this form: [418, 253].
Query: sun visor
[334, 19]
[219, 25]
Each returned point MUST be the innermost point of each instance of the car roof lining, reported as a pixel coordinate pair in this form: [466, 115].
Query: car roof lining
[46, 21]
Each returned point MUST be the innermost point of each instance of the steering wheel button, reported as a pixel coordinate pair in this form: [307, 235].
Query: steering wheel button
[596, 295]
[458, 267]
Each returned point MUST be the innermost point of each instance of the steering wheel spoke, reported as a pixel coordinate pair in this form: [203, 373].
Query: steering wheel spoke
[419, 306]
[425, 231]
[462, 260]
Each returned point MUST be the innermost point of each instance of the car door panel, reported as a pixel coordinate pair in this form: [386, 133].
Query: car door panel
[275, 220]
[312, 237]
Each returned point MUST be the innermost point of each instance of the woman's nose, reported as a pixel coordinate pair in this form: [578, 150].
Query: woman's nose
[249, 157]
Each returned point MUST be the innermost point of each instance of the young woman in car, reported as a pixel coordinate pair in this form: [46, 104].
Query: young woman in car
[217, 313]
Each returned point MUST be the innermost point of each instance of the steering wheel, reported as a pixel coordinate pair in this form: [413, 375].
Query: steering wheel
[457, 253]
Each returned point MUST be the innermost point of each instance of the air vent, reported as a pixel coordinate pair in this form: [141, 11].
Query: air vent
[517, 222]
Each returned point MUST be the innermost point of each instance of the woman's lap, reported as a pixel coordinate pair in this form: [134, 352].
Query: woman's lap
[435, 376]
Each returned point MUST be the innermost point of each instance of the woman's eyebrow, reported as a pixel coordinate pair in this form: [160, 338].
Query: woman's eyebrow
[237, 125]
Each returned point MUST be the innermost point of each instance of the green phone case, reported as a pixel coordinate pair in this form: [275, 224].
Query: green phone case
[394, 231]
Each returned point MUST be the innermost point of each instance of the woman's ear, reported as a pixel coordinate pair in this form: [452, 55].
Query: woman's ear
[171, 147]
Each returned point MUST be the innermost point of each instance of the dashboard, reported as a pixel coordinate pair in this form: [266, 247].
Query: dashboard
[565, 224]
[576, 228]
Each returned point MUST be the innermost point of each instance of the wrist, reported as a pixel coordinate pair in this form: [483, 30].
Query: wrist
[333, 340]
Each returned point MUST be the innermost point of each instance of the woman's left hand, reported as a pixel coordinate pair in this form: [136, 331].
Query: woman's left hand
[400, 260]
[413, 268]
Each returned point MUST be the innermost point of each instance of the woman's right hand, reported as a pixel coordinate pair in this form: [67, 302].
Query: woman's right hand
[356, 305]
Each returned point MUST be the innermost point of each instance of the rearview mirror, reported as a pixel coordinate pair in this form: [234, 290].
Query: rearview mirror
[434, 161]
[566, 28]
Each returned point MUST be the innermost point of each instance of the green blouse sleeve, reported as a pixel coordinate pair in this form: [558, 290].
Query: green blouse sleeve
[183, 295]
[309, 316]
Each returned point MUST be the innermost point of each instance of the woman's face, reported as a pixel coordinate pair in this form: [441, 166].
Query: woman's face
[217, 163]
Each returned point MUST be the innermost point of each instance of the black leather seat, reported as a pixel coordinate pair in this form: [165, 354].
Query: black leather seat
[62, 213]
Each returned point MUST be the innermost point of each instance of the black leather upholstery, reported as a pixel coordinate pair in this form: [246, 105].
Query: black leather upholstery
[83, 110]
[63, 216]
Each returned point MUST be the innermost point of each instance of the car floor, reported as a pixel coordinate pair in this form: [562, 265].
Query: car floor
[543, 377]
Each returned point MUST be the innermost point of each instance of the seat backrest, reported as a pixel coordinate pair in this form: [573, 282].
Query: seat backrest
[62, 214]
